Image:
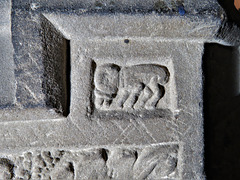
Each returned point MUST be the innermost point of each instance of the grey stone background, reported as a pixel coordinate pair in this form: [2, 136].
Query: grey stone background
[221, 91]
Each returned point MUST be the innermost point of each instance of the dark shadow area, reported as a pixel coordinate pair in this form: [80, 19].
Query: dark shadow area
[233, 14]
[221, 68]
[91, 97]
[68, 78]
[104, 154]
[56, 62]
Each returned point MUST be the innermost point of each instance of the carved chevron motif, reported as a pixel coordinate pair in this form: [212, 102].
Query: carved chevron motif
[133, 87]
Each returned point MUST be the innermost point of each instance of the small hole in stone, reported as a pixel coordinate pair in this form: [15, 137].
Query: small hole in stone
[104, 154]
[126, 41]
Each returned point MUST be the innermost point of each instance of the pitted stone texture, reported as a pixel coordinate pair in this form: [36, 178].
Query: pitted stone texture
[28, 59]
[25, 82]
[165, 6]
[90, 26]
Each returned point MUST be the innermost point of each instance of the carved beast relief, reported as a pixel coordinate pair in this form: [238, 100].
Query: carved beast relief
[134, 87]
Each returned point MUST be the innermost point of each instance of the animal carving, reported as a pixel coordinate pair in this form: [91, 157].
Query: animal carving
[133, 87]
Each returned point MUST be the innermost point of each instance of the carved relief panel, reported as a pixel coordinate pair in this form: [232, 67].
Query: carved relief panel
[144, 88]
[119, 163]
[129, 88]
[141, 99]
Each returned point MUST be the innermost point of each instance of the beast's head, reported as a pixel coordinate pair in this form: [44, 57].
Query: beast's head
[106, 78]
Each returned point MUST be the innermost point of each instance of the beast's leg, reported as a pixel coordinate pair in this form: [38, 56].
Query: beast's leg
[157, 93]
[132, 99]
[142, 99]
[102, 100]
[98, 102]
[120, 99]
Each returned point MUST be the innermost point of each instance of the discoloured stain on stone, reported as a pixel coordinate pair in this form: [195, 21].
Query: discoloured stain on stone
[237, 4]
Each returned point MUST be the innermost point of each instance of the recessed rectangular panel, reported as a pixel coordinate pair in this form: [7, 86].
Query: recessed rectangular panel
[120, 162]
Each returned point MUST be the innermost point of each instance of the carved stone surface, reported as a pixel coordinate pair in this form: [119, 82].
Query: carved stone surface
[104, 89]
[136, 87]
[7, 80]
[149, 162]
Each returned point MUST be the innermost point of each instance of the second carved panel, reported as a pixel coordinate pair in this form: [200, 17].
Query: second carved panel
[145, 88]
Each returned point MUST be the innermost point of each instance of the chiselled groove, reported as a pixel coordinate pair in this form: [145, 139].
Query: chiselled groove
[93, 68]
[149, 162]
[134, 87]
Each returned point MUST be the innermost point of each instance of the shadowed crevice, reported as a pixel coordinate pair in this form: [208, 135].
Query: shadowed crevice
[233, 14]
[57, 68]
[104, 154]
[221, 68]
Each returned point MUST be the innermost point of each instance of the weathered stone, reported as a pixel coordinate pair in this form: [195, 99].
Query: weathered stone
[119, 162]
[7, 80]
[105, 89]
